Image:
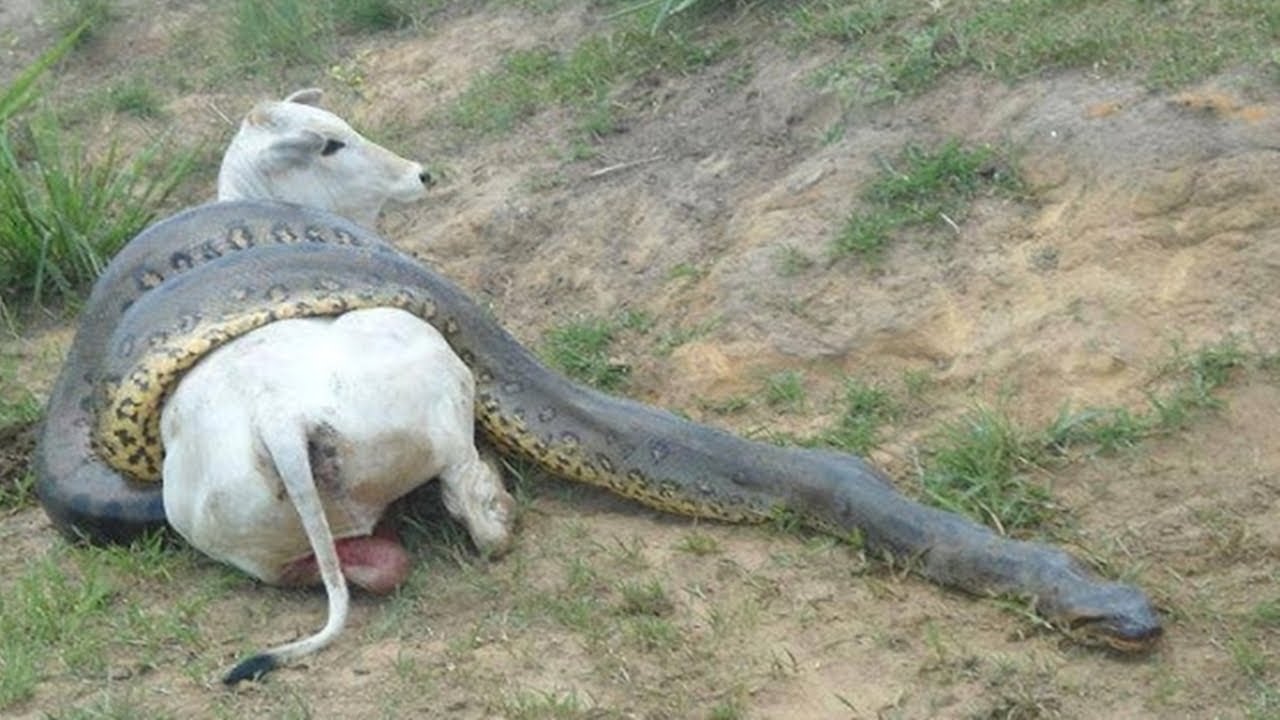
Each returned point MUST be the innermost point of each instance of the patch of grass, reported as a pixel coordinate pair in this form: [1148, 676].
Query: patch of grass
[895, 48]
[19, 410]
[679, 336]
[729, 709]
[1197, 375]
[135, 97]
[866, 408]
[701, 544]
[725, 406]
[371, 15]
[922, 187]
[597, 121]
[51, 617]
[785, 391]
[1106, 429]
[529, 705]
[1188, 382]
[1266, 614]
[496, 101]
[581, 78]
[121, 704]
[842, 22]
[660, 12]
[22, 90]
[865, 235]
[833, 134]
[636, 320]
[917, 383]
[648, 598]
[18, 492]
[980, 465]
[685, 271]
[791, 261]
[581, 350]
[84, 19]
[925, 183]
[18, 405]
[1249, 657]
[267, 33]
[65, 209]
[652, 633]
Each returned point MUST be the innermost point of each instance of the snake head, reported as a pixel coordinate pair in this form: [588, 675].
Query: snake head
[1109, 614]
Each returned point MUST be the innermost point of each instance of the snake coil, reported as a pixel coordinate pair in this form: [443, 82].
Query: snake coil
[205, 276]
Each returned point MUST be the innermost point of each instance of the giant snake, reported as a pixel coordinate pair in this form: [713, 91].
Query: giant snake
[195, 281]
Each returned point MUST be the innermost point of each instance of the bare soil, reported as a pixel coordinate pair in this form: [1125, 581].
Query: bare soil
[1150, 219]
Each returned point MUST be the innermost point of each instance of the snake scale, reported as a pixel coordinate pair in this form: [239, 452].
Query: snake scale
[194, 281]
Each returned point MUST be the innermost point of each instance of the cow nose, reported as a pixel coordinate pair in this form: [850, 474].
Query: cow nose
[426, 178]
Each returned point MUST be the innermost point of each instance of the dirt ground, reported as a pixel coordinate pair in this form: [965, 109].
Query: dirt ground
[1149, 219]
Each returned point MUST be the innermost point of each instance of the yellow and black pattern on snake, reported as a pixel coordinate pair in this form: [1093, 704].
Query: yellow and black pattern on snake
[527, 410]
[86, 498]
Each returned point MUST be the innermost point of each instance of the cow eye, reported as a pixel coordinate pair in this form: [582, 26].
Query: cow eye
[332, 146]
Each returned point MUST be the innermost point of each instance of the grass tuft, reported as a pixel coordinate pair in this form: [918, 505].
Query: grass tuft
[371, 15]
[82, 20]
[661, 12]
[979, 466]
[699, 544]
[135, 97]
[22, 90]
[581, 78]
[892, 49]
[267, 33]
[530, 705]
[784, 391]
[922, 187]
[1187, 386]
[51, 616]
[867, 408]
[65, 210]
[648, 598]
[581, 350]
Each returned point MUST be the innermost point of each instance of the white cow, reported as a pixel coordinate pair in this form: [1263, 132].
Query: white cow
[305, 431]
[294, 151]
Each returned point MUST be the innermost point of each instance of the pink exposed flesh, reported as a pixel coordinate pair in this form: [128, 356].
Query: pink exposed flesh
[377, 563]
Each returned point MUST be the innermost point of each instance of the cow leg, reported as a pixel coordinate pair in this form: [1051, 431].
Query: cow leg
[474, 494]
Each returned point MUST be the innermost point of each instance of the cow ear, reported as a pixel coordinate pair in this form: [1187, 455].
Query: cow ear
[306, 96]
[297, 147]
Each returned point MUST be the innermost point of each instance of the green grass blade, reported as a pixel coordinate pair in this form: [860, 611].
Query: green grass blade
[22, 91]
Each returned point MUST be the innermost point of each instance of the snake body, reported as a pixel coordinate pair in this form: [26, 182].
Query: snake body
[197, 280]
